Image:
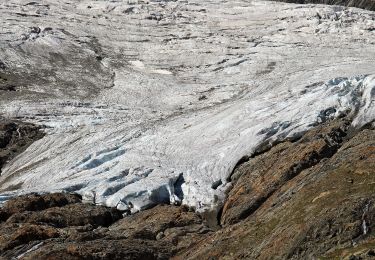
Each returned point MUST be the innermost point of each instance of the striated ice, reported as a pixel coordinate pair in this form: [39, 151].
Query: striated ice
[140, 111]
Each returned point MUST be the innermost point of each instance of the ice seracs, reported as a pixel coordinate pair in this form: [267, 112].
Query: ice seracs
[130, 129]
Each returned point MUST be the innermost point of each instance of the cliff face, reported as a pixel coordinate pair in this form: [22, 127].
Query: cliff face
[365, 4]
[311, 198]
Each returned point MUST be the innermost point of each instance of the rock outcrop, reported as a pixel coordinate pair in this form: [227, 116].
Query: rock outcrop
[258, 179]
[59, 226]
[15, 137]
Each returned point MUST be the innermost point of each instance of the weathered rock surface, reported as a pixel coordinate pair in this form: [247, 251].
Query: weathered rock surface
[256, 180]
[15, 137]
[291, 205]
[59, 226]
[71, 215]
[35, 202]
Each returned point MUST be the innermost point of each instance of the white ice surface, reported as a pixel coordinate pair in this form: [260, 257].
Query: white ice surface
[180, 99]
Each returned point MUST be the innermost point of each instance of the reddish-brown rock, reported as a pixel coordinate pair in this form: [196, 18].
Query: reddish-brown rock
[35, 202]
[257, 179]
[76, 214]
[327, 210]
[20, 234]
[59, 226]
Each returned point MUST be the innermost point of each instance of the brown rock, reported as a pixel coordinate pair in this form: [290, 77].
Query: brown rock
[80, 231]
[104, 249]
[327, 210]
[176, 224]
[260, 177]
[15, 235]
[76, 214]
[35, 202]
[156, 220]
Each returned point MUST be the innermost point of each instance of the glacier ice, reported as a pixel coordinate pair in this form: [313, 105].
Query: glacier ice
[126, 121]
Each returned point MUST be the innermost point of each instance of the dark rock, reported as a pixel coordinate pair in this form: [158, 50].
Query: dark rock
[8, 88]
[35, 30]
[76, 214]
[59, 226]
[15, 137]
[202, 97]
[166, 219]
[35, 202]
[2, 65]
[104, 249]
[15, 235]
[365, 4]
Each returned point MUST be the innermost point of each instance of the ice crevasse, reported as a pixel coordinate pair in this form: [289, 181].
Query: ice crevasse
[187, 159]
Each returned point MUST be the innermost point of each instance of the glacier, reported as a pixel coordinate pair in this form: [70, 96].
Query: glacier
[148, 102]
